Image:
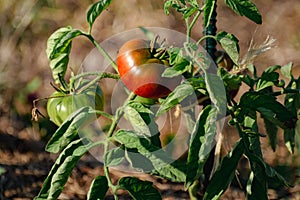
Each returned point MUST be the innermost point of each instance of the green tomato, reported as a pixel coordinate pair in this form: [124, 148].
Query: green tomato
[61, 105]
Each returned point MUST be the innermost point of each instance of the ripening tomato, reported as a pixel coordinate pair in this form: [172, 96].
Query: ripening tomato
[141, 71]
[61, 105]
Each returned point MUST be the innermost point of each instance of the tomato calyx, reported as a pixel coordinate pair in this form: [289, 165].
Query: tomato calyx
[61, 103]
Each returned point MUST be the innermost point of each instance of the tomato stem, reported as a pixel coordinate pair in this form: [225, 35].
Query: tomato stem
[102, 51]
[99, 75]
[190, 25]
[206, 37]
[115, 121]
[94, 81]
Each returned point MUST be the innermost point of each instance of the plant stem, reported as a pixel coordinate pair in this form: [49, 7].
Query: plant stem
[286, 91]
[205, 37]
[92, 82]
[98, 74]
[191, 25]
[102, 51]
[116, 119]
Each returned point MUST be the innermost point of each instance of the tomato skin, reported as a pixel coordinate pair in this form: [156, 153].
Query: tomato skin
[61, 105]
[141, 72]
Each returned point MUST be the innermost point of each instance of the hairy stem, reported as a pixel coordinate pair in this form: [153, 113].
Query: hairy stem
[115, 121]
[102, 51]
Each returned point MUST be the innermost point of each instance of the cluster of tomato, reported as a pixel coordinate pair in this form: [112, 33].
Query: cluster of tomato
[140, 71]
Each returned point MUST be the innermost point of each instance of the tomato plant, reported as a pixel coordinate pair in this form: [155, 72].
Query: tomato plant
[60, 105]
[151, 74]
[142, 72]
[223, 60]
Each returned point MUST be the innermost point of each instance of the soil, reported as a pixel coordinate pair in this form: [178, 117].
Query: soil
[26, 166]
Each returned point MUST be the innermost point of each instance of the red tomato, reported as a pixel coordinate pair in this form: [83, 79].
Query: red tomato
[141, 71]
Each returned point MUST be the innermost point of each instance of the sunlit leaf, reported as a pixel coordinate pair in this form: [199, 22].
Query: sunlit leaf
[95, 10]
[286, 70]
[180, 93]
[268, 78]
[142, 120]
[69, 129]
[230, 44]
[245, 8]
[58, 50]
[163, 165]
[61, 170]
[208, 10]
[133, 113]
[216, 91]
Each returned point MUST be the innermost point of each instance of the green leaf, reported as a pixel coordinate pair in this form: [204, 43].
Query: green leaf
[216, 91]
[186, 8]
[225, 172]
[245, 8]
[208, 10]
[201, 142]
[142, 120]
[58, 50]
[2, 170]
[292, 103]
[268, 78]
[272, 131]
[286, 70]
[98, 188]
[61, 170]
[292, 100]
[255, 188]
[163, 165]
[179, 63]
[180, 93]
[230, 44]
[297, 136]
[262, 174]
[114, 156]
[69, 129]
[95, 10]
[133, 113]
[247, 80]
[289, 139]
[177, 69]
[138, 189]
[268, 107]
[231, 81]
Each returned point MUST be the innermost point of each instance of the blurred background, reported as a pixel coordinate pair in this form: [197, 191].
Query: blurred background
[25, 75]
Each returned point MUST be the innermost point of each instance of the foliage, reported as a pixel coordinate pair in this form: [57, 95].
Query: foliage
[143, 143]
